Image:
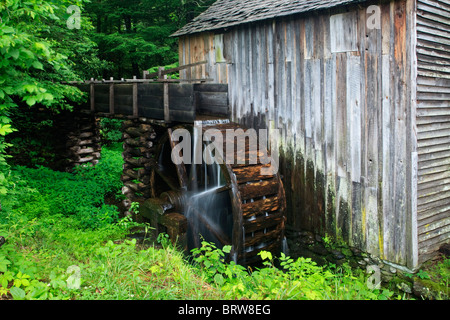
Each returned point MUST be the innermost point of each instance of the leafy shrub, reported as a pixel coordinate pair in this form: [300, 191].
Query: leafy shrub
[96, 218]
[40, 192]
[293, 279]
[110, 130]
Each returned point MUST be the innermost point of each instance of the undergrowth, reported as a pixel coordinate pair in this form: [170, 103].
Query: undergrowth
[284, 278]
[64, 242]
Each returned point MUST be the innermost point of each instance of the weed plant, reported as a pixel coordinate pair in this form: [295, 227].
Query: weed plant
[284, 278]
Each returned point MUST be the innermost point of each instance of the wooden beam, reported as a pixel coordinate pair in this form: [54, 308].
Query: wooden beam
[168, 71]
[135, 100]
[111, 97]
[181, 169]
[166, 103]
[92, 93]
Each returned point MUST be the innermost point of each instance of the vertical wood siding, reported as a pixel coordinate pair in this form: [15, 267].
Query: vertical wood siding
[433, 124]
[342, 97]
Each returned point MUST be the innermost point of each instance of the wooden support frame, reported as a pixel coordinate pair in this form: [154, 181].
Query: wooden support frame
[162, 99]
[175, 223]
[92, 95]
[111, 98]
[135, 100]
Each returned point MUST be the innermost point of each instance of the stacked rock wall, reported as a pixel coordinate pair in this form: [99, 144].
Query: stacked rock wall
[83, 141]
[139, 138]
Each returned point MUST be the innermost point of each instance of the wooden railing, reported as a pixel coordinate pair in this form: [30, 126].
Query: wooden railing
[155, 96]
[167, 100]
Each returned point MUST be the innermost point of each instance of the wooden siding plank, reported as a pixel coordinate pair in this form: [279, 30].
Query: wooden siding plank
[433, 8]
[442, 7]
[400, 157]
[343, 32]
[354, 116]
[343, 196]
[387, 161]
[344, 99]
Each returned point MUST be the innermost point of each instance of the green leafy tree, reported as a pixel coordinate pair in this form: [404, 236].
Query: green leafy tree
[38, 52]
[135, 35]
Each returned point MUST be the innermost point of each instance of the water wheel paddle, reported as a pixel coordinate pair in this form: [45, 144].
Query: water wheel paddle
[230, 203]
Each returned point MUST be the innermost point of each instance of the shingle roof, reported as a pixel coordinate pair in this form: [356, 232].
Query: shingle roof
[228, 13]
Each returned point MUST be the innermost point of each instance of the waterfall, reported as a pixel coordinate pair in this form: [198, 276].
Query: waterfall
[208, 211]
[285, 247]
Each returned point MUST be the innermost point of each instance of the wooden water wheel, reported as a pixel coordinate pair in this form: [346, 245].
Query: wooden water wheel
[248, 206]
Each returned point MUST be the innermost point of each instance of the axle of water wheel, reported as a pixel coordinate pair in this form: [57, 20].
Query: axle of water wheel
[156, 210]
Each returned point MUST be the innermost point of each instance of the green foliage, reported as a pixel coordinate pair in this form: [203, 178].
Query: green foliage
[135, 35]
[35, 140]
[37, 53]
[118, 271]
[37, 192]
[30, 63]
[444, 273]
[434, 277]
[293, 279]
[50, 218]
[174, 75]
[110, 130]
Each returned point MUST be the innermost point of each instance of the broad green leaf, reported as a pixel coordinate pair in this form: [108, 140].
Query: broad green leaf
[218, 278]
[48, 96]
[265, 255]
[30, 88]
[17, 293]
[7, 29]
[4, 264]
[38, 65]
[31, 100]
[5, 129]
[74, 281]
[25, 282]
[226, 249]
[14, 53]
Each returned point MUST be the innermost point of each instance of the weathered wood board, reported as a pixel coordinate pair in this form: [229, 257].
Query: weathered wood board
[433, 125]
[365, 153]
[172, 102]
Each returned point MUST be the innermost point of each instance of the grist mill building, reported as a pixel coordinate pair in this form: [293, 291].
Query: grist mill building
[361, 93]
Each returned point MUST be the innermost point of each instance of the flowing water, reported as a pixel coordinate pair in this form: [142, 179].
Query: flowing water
[208, 208]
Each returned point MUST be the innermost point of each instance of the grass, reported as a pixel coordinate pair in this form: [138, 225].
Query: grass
[55, 222]
[64, 242]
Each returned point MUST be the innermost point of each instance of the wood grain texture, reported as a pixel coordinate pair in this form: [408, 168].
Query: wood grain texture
[364, 146]
[433, 120]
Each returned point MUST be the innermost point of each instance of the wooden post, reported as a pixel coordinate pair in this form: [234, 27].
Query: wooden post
[166, 103]
[92, 93]
[181, 169]
[111, 96]
[161, 76]
[135, 99]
